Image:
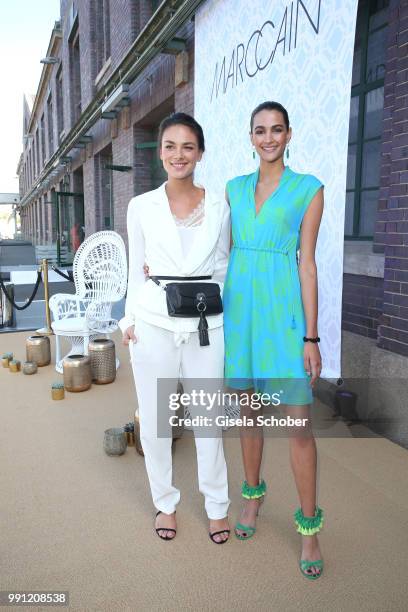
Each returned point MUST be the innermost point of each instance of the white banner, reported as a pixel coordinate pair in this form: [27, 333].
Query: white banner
[298, 53]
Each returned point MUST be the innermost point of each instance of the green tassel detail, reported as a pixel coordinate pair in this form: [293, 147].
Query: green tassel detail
[309, 525]
[253, 492]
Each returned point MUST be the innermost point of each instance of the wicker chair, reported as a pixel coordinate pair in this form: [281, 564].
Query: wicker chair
[100, 276]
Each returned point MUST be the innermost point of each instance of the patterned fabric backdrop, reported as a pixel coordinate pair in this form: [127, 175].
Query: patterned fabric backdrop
[299, 53]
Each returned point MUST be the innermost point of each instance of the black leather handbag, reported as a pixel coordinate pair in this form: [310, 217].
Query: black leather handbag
[192, 299]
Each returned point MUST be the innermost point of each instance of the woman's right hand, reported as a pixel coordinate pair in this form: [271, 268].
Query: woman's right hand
[129, 335]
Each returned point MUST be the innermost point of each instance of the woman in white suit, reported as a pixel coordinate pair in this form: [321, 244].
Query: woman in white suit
[178, 230]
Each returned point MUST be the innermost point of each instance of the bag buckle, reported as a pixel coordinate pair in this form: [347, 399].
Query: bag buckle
[201, 303]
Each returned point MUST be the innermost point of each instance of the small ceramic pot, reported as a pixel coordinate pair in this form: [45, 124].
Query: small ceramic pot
[114, 442]
[14, 365]
[29, 367]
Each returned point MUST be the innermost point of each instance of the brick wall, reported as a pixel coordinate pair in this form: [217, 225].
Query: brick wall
[124, 23]
[63, 6]
[44, 225]
[66, 84]
[91, 176]
[123, 184]
[87, 41]
[391, 235]
[362, 304]
[145, 12]
[142, 159]
[153, 95]
[184, 94]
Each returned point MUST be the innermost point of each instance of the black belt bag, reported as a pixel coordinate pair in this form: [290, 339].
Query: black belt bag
[192, 299]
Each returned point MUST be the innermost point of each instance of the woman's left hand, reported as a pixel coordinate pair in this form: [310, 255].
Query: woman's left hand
[312, 361]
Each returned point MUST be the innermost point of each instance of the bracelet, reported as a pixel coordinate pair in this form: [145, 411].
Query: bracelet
[314, 340]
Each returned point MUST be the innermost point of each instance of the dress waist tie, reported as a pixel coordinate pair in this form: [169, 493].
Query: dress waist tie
[287, 254]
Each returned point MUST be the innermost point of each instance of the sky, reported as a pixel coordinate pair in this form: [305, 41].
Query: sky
[25, 30]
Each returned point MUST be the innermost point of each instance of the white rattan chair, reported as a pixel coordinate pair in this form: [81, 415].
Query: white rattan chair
[100, 276]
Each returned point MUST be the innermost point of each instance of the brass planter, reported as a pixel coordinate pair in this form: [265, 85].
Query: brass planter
[38, 349]
[103, 360]
[129, 430]
[14, 365]
[77, 373]
[57, 393]
[138, 444]
[29, 367]
[130, 438]
[5, 359]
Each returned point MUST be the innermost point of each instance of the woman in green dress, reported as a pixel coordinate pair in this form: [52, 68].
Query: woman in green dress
[270, 314]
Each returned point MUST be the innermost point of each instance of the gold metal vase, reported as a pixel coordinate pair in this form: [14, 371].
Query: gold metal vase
[38, 349]
[77, 373]
[103, 360]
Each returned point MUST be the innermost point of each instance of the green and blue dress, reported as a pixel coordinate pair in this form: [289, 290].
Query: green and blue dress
[264, 322]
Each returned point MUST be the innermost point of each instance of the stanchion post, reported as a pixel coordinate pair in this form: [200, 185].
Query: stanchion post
[47, 330]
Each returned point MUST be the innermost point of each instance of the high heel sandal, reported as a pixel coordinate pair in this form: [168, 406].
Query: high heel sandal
[307, 526]
[212, 535]
[248, 492]
[164, 529]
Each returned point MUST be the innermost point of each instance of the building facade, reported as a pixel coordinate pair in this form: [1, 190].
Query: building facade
[115, 68]
[87, 186]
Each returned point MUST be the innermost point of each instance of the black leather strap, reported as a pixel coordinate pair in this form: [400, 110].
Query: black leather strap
[156, 278]
[183, 278]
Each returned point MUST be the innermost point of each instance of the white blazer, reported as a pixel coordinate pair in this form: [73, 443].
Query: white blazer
[154, 239]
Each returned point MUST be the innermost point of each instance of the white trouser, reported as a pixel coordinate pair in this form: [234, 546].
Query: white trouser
[162, 354]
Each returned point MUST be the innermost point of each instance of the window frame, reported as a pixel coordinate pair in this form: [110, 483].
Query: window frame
[361, 90]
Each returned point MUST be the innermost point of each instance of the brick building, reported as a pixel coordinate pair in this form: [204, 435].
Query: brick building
[80, 166]
[117, 67]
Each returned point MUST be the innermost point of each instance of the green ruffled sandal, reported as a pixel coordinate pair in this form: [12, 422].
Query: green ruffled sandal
[307, 526]
[250, 493]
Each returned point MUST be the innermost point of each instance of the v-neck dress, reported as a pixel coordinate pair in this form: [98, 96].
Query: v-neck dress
[264, 322]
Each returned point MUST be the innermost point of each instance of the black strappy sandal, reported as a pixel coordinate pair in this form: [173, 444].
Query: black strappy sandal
[218, 533]
[165, 529]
